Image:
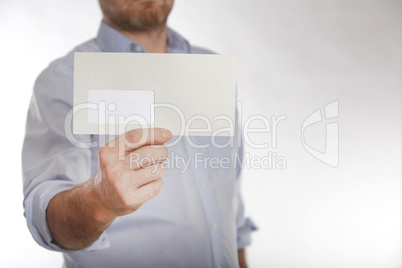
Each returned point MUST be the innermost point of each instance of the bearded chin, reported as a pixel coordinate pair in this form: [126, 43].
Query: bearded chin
[146, 22]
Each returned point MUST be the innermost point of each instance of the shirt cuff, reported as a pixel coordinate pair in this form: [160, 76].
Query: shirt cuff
[244, 233]
[36, 204]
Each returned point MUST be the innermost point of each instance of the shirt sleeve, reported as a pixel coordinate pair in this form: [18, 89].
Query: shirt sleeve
[51, 163]
[245, 225]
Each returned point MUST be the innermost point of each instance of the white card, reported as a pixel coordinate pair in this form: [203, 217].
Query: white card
[186, 93]
[120, 106]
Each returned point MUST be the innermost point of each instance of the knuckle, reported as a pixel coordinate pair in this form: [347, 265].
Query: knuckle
[154, 191]
[165, 152]
[125, 202]
[155, 171]
[163, 170]
[158, 171]
[102, 152]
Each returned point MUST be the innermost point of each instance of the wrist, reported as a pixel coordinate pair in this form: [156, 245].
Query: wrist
[99, 211]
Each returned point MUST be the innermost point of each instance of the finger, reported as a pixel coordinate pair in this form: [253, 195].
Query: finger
[149, 191]
[137, 138]
[146, 155]
[148, 174]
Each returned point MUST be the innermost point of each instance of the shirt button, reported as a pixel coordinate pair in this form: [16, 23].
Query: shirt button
[137, 48]
[215, 226]
[203, 184]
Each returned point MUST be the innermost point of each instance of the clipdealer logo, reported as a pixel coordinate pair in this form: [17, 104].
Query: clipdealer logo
[330, 156]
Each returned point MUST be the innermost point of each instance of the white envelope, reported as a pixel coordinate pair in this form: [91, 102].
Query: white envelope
[189, 94]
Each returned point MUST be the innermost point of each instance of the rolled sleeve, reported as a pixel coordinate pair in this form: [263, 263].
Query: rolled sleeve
[244, 233]
[36, 204]
[245, 226]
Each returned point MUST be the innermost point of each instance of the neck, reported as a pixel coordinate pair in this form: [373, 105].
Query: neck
[154, 41]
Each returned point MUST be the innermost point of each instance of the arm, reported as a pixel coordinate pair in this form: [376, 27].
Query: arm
[74, 217]
[77, 217]
[242, 258]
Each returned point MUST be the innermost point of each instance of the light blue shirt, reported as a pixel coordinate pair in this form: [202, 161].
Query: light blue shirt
[196, 220]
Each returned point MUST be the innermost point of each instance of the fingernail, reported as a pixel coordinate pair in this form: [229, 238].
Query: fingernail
[166, 134]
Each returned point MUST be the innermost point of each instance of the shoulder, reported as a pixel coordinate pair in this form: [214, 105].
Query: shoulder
[65, 65]
[56, 80]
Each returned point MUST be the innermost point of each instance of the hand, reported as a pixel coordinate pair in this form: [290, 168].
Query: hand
[130, 171]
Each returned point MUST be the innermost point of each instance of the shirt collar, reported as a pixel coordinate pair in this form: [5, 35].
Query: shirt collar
[111, 40]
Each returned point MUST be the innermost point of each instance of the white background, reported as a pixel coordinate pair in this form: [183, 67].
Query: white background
[294, 57]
